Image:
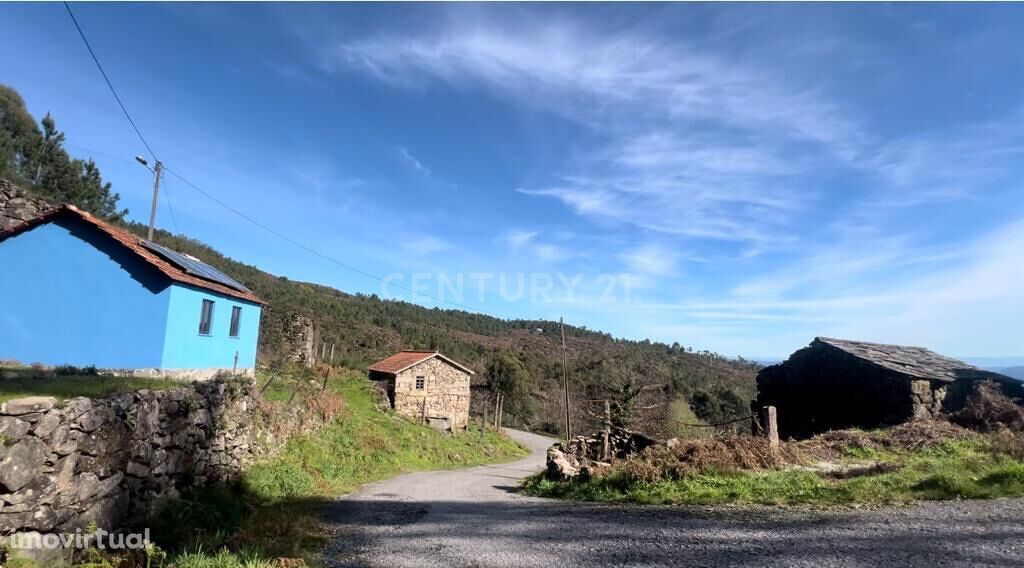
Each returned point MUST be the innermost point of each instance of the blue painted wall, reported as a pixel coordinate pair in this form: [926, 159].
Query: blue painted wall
[184, 348]
[70, 295]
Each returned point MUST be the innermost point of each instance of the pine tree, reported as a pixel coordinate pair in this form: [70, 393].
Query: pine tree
[36, 159]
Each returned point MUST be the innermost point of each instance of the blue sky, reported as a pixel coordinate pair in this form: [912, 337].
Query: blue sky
[738, 178]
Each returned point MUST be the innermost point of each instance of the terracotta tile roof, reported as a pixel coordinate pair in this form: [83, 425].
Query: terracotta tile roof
[912, 361]
[135, 245]
[404, 359]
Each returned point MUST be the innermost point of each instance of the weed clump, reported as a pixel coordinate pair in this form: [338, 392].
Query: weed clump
[987, 409]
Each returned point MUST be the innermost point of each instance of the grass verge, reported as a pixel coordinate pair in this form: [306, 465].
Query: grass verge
[71, 386]
[974, 468]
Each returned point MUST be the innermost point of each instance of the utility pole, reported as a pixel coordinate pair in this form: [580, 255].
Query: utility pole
[565, 381]
[157, 170]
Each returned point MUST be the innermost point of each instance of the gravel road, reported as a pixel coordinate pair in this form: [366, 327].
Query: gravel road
[474, 517]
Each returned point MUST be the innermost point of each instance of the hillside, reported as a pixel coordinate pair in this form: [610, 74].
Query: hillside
[366, 328]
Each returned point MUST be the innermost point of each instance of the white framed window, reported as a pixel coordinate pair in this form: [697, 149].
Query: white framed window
[421, 382]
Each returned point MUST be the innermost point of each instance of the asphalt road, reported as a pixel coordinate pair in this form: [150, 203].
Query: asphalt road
[474, 517]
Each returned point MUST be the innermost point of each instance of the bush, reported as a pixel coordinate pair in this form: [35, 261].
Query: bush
[987, 409]
[73, 371]
[689, 457]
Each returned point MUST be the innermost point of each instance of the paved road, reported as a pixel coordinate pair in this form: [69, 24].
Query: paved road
[474, 517]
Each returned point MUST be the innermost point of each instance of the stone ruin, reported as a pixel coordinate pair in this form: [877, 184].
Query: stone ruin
[299, 340]
[583, 454]
[835, 384]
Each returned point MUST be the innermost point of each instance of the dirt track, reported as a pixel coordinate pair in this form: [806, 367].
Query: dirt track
[474, 517]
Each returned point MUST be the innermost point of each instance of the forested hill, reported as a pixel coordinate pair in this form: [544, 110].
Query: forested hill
[653, 386]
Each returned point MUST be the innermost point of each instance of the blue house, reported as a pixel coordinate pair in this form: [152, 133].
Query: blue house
[76, 290]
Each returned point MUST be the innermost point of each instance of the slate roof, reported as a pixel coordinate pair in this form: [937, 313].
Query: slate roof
[913, 361]
[134, 244]
[404, 359]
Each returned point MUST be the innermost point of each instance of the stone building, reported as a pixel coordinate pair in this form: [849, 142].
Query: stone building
[426, 386]
[835, 383]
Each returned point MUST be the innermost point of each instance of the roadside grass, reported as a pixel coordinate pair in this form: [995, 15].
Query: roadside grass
[64, 387]
[272, 512]
[963, 469]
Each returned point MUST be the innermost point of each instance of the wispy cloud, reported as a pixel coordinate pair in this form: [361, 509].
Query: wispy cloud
[649, 259]
[426, 245]
[516, 239]
[688, 147]
[413, 161]
[668, 168]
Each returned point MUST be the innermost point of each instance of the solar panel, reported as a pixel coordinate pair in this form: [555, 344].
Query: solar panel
[195, 267]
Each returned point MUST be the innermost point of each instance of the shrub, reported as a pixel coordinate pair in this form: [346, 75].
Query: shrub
[73, 371]
[987, 409]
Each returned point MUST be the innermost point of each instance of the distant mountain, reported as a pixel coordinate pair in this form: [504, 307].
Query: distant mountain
[994, 362]
[1015, 372]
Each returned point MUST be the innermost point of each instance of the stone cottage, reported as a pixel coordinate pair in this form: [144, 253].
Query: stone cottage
[426, 386]
[835, 383]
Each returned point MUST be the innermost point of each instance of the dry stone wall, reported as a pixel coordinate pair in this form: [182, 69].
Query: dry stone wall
[444, 397]
[114, 460]
[16, 206]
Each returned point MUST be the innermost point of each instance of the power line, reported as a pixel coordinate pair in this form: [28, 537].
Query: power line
[319, 254]
[107, 79]
[167, 195]
[232, 209]
[98, 153]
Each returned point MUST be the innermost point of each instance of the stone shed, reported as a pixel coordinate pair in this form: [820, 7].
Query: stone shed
[426, 386]
[835, 383]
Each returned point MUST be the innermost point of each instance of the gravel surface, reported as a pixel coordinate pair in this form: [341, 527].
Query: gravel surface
[474, 517]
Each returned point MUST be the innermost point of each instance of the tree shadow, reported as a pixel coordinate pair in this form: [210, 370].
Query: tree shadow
[527, 532]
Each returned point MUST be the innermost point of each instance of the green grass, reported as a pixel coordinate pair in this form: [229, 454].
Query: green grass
[272, 512]
[71, 386]
[366, 446]
[968, 469]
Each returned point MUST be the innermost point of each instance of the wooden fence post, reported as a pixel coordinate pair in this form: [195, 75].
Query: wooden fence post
[607, 433]
[769, 421]
[501, 410]
[483, 425]
[497, 405]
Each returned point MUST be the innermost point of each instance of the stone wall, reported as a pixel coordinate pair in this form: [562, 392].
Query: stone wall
[444, 400]
[114, 460]
[16, 206]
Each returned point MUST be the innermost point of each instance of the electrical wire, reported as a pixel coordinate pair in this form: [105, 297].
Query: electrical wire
[107, 79]
[167, 195]
[319, 254]
[266, 228]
